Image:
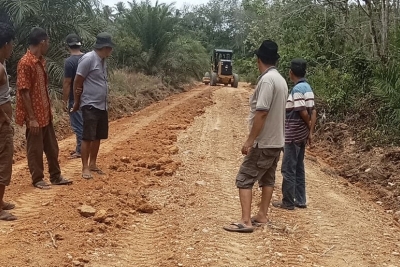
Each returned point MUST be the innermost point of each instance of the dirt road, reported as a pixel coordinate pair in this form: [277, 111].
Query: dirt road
[168, 191]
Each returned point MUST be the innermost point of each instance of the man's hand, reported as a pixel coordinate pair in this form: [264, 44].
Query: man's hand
[310, 140]
[33, 127]
[79, 92]
[75, 108]
[248, 145]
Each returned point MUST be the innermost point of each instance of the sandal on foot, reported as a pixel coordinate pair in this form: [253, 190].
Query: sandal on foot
[61, 181]
[6, 216]
[256, 223]
[75, 155]
[98, 171]
[42, 185]
[8, 206]
[87, 176]
[238, 228]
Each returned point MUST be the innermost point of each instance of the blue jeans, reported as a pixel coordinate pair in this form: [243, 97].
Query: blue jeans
[294, 177]
[77, 126]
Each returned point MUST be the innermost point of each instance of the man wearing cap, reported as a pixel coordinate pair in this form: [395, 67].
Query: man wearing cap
[265, 141]
[301, 117]
[70, 66]
[90, 94]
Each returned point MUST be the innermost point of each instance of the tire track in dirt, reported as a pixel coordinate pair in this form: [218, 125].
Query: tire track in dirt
[345, 228]
[201, 198]
[30, 203]
[340, 228]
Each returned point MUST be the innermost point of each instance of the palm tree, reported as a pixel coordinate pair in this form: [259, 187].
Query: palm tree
[120, 7]
[154, 27]
[387, 88]
[58, 18]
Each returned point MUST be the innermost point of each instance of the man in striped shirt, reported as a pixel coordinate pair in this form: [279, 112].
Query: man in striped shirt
[300, 122]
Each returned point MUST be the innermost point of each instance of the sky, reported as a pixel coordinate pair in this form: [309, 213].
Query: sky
[178, 3]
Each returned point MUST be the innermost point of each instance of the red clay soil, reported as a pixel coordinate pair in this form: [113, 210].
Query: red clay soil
[137, 155]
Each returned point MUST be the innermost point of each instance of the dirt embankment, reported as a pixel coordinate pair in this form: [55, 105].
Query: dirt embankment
[374, 169]
[129, 92]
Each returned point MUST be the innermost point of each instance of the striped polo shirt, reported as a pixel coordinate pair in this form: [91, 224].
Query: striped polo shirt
[301, 98]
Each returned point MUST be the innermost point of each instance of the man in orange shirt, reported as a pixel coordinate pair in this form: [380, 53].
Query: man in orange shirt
[34, 109]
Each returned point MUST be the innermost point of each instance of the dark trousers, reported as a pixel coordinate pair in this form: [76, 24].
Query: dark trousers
[294, 177]
[45, 142]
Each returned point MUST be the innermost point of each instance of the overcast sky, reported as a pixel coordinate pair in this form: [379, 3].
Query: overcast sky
[178, 3]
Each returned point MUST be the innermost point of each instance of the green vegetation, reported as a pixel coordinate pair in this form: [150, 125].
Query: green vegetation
[352, 46]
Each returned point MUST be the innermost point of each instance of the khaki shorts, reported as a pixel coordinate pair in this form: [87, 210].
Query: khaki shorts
[6, 154]
[259, 165]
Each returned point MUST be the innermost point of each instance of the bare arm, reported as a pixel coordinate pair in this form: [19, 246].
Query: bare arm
[313, 120]
[66, 89]
[306, 117]
[258, 124]
[78, 89]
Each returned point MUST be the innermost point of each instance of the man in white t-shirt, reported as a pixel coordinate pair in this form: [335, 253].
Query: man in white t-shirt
[266, 139]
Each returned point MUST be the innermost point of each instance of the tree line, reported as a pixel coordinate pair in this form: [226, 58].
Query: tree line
[352, 47]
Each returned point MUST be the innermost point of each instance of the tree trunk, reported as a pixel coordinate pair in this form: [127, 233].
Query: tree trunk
[385, 28]
[377, 46]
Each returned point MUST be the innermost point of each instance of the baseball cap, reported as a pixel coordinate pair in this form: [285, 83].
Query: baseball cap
[73, 40]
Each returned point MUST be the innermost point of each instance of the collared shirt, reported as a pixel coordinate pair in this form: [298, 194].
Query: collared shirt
[95, 87]
[270, 95]
[32, 76]
[301, 98]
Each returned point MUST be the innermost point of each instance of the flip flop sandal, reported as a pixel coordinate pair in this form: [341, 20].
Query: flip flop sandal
[62, 181]
[98, 171]
[74, 156]
[240, 228]
[87, 176]
[255, 223]
[42, 185]
[6, 216]
[8, 206]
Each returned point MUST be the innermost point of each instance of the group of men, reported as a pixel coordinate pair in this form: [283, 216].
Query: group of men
[85, 92]
[278, 121]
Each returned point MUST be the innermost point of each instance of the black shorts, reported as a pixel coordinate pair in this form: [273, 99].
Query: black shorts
[95, 123]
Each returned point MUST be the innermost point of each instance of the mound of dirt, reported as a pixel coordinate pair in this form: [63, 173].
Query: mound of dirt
[137, 155]
[376, 170]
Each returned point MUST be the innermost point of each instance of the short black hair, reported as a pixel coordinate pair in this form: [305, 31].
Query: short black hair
[268, 61]
[299, 73]
[37, 35]
[298, 66]
[7, 33]
[74, 47]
